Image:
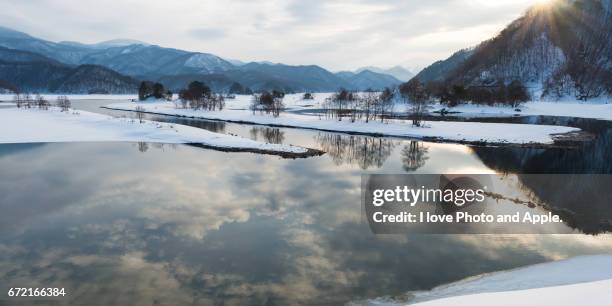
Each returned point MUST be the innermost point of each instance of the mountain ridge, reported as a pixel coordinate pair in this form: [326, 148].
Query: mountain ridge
[557, 49]
[151, 62]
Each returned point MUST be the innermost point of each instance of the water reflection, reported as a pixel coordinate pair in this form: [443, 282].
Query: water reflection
[361, 150]
[414, 156]
[190, 226]
[267, 134]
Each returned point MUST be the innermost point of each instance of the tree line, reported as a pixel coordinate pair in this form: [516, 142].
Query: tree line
[27, 100]
[268, 102]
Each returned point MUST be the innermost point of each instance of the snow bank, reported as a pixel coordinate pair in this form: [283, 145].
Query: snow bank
[601, 111]
[34, 125]
[572, 281]
[473, 132]
[593, 293]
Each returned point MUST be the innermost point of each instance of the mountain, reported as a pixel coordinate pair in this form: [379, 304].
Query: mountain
[69, 54]
[439, 70]
[152, 61]
[367, 79]
[105, 44]
[561, 48]
[264, 76]
[176, 68]
[296, 78]
[129, 57]
[31, 72]
[397, 72]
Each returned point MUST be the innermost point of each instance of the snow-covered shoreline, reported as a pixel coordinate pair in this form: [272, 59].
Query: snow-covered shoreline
[35, 125]
[464, 132]
[599, 111]
[565, 282]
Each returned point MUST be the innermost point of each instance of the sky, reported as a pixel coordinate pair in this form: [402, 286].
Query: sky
[337, 35]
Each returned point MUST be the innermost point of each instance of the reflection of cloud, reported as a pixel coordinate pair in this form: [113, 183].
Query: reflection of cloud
[191, 226]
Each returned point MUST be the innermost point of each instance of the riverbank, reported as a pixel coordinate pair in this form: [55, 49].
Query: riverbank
[461, 132]
[53, 125]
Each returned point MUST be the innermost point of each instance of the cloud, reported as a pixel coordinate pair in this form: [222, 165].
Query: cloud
[337, 35]
[208, 33]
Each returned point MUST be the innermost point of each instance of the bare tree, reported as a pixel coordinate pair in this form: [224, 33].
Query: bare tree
[414, 93]
[369, 100]
[63, 103]
[384, 103]
[343, 102]
[269, 102]
[27, 100]
[41, 102]
[140, 113]
[18, 99]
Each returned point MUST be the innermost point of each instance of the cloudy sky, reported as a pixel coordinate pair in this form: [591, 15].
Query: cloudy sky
[338, 35]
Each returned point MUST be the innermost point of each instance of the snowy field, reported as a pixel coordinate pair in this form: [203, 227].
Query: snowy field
[493, 133]
[584, 280]
[595, 109]
[34, 125]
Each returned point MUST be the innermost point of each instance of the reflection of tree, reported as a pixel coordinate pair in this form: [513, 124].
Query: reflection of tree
[213, 126]
[361, 150]
[271, 135]
[414, 156]
[143, 147]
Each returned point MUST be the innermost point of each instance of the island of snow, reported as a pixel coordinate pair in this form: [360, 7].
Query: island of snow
[35, 125]
[463, 132]
[583, 280]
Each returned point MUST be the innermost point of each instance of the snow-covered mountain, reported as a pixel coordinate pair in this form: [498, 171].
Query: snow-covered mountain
[105, 44]
[560, 48]
[65, 53]
[129, 57]
[31, 72]
[179, 67]
[397, 72]
[152, 61]
[439, 70]
[367, 79]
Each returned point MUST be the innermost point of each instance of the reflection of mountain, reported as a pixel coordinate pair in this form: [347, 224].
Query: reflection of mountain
[593, 157]
[583, 203]
[414, 156]
[363, 151]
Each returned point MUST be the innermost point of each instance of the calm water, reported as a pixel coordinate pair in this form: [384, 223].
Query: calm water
[146, 224]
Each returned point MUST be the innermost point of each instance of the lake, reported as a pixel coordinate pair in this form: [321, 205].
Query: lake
[144, 224]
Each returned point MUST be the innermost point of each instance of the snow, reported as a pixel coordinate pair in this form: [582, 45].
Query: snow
[592, 110]
[53, 97]
[593, 293]
[34, 125]
[453, 131]
[574, 281]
